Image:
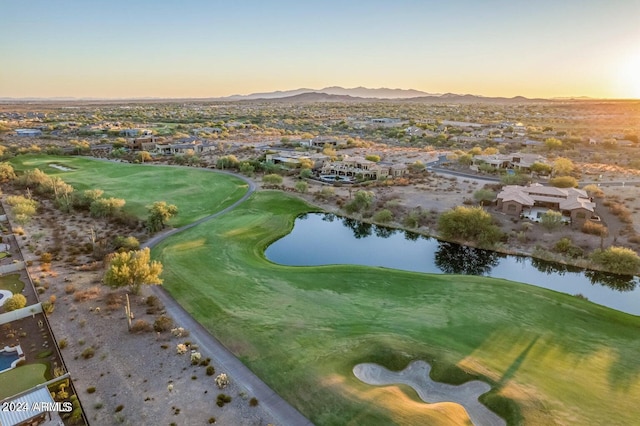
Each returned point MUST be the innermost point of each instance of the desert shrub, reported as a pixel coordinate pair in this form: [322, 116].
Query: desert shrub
[253, 402]
[594, 191]
[593, 228]
[222, 399]
[153, 305]
[88, 294]
[141, 326]
[483, 196]
[272, 179]
[620, 260]
[302, 186]
[62, 343]
[48, 307]
[162, 323]
[551, 220]
[126, 243]
[470, 224]
[119, 408]
[69, 288]
[383, 216]
[211, 420]
[17, 301]
[564, 182]
[222, 380]
[566, 246]
[46, 257]
[91, 389]
[211, 370]
[88, 352]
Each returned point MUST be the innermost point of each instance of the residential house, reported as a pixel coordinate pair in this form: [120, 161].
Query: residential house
[519, 161]
[358, 166]
[536, 199]
[294, 158]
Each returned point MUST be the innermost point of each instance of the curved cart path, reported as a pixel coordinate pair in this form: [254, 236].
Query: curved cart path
[416, 375]
[283, 412]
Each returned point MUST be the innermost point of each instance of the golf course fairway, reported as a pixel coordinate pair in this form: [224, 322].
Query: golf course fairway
[550, 358]
[196, 192]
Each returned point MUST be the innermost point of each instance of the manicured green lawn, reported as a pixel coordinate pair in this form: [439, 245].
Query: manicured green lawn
[196, 192]
[21, 378]
[11, 283]
[302, 329]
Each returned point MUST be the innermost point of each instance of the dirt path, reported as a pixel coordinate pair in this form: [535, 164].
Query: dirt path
[280, 409]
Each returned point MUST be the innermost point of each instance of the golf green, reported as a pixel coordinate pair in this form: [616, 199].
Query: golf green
[196, 192]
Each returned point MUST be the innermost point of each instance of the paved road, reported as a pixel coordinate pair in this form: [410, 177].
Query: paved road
[283, 412]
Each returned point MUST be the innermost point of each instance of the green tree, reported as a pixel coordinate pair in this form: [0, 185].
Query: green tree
[469, 224]
[133, 268]
[17, 301]
[564, 182]
[159, 213]
[551, 220]
[619, 260]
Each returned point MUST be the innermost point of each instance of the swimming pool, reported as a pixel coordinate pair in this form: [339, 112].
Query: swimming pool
[9, 357]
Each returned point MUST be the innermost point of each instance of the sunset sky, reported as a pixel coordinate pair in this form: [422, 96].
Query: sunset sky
[210, 48]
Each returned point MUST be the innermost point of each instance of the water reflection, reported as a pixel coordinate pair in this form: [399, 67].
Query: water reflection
[453, 258]
[614, 281]
[549, 267]
[322, 239]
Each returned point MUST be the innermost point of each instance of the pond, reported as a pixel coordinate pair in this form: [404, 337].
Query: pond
[326, 239]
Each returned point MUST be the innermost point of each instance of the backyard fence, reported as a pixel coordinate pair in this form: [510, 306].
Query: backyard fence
[12, 267]
[20, 313]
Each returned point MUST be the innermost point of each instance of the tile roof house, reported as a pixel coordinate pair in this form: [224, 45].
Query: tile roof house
[358, 166]
[521, 200]
[522, 161]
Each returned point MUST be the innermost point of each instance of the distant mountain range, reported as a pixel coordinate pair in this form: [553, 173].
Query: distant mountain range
[363, 94]
[358, 92]
[329, 94]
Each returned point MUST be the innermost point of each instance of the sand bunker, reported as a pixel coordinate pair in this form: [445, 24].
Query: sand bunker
[416, 375]
[59, 167]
